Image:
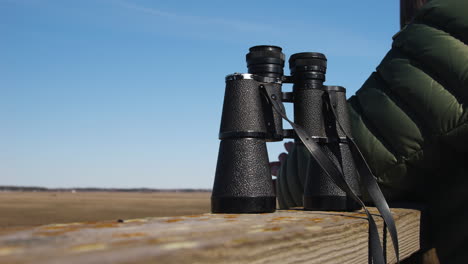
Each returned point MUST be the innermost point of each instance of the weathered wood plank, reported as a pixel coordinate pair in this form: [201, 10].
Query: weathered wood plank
[281, 237]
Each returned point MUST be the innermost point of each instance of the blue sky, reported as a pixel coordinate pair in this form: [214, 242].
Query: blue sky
[128, 93]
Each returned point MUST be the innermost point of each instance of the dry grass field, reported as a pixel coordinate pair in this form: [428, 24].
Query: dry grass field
[19, 210]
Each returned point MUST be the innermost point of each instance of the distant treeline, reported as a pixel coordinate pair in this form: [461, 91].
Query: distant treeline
[42, 189]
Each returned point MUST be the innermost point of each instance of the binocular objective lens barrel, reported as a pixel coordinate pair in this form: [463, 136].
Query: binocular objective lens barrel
[311, 111]
[320, 192]
[267, 61]
[243, 178]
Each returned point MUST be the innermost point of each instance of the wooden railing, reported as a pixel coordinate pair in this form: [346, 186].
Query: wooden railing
[286, 236]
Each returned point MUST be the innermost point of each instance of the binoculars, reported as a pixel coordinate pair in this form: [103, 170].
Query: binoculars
[250, 118]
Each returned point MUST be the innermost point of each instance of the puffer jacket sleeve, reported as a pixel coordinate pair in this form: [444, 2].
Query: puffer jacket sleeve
[410, 116]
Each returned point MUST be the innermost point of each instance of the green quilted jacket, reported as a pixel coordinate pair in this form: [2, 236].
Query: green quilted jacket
[410, 121]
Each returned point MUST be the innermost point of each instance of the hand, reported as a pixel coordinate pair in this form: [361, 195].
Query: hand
[276, 165]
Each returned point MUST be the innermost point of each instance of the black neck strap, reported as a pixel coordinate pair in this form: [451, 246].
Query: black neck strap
[376, 252]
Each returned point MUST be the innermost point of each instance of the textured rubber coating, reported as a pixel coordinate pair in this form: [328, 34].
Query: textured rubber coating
[242, 205]
[242, 108]
[242, 172]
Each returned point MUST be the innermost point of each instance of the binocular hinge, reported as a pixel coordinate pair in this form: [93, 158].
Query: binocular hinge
[287, 79]
[287, 97]
[289, 133]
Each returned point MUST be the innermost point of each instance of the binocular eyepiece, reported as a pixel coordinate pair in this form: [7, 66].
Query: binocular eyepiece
[267, 61]
[243, 181]
[308, 67]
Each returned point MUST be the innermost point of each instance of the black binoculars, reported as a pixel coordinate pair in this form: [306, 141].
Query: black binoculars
[250, 118]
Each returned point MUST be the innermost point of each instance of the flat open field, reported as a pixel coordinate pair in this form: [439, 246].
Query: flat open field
[19, 210]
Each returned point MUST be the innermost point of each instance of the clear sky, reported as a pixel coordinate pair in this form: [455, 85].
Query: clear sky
[128, 93]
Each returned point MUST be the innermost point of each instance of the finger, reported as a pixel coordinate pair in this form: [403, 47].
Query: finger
[274, 171]
[282, 157]
[289, 146]
[274, 168]
[275, 163]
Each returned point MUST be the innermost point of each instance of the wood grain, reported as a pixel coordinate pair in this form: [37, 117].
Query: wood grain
[289, 236]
